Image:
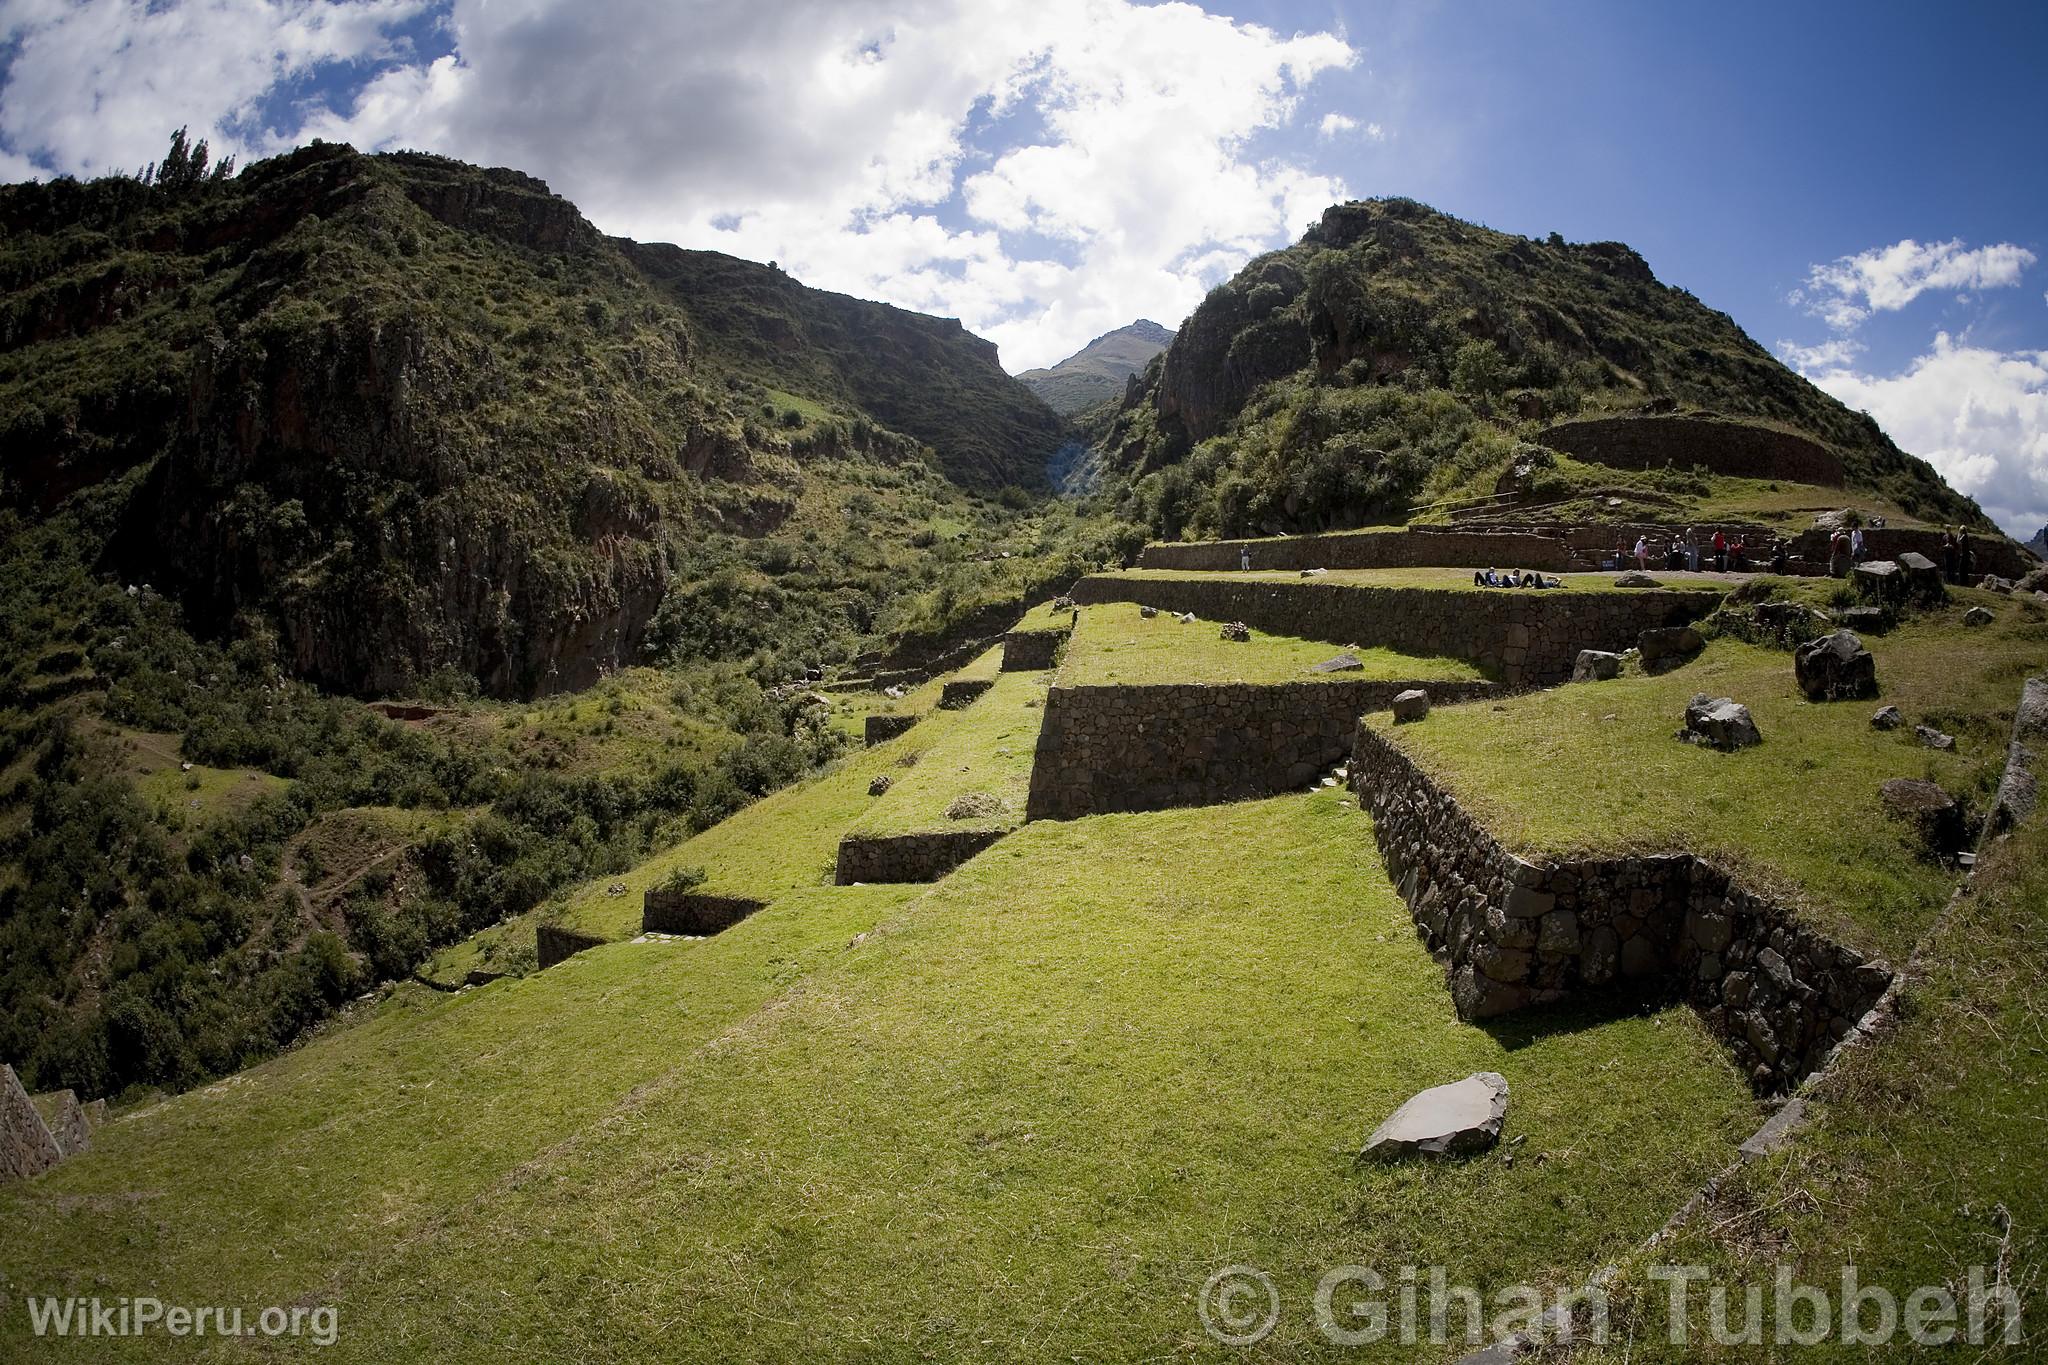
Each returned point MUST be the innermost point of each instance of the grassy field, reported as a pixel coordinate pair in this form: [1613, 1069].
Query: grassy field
[1024, 1118]
[1114, 644]
[184, 794]
[984, 752]
[1593, 767]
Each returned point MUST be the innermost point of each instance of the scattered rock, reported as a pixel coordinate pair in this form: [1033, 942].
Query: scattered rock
[1923, 578]
[1313, 573]
[1148, 612]
[1978, 616]
[1887, 718]
[1236, 630]
[1666, 647]
[1596, 665]
[1834, 667]
[1186, 618]
[1870, 620]
[1879, 580]
[1636, 578]
[1342, 663]
[881, 784]
[1060, 604]
[616, 889]
[1933, 813]
[1719, 723]
[1410, 705]
[1445, 1120]
[893, 693]
[1933, 738]
[1991, 582]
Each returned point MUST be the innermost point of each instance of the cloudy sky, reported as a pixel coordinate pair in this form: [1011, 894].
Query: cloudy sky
[1858, 184]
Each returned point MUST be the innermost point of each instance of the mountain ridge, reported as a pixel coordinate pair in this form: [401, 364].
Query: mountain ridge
[1099, 371]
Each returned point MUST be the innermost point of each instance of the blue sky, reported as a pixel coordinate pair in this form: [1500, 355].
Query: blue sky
[1857, 184]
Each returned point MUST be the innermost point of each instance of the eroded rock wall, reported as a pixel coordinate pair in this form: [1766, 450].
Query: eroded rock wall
[1681, 441]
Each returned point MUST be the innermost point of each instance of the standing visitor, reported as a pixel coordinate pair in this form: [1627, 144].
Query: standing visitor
[1643, 553]
[1244, 558]
[1720, 551]
[1692, 549]
[1856, 546]
[1838, 553]
[1948, 553]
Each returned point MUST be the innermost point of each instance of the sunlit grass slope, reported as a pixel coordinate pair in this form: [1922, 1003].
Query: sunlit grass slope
[1112, 643]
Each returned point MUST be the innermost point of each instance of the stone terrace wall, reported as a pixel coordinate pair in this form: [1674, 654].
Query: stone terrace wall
[1192, 744]
[1026, 651]
[693, 912]
[1524, 636]
[877, 729]
[1733, 448]
[924, 857]
[26, 1146]
[963, 692]
[1994, 554]
[1513, 933]
[552, 943]
[1413, 549]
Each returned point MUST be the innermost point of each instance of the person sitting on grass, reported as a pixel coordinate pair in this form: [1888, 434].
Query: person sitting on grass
[1479, 578]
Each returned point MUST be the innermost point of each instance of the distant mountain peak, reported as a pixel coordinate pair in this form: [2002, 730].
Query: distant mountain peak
[1099, 370]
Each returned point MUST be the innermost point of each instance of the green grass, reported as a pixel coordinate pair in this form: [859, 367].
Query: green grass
[985, 750]
[1441, 580]
[1024, 1119]
[1114, 644]
[152, 762]
[1593, 767]
[1923, 1155]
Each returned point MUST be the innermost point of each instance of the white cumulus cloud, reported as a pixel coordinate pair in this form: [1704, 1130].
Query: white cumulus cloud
[1045, 170]
[1980, 416]
[1847, 290]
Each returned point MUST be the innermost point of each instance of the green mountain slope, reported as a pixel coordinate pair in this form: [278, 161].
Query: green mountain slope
[1396, 351]
[415, 415]
[1098, 371]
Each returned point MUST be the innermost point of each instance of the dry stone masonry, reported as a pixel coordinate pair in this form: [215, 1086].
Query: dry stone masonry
[1680, 441]
[880, 729]
[1513, 933]
[1410, 549]
[922, 857]
[961, 693]
[552, 944]
[26, 1145]
[1525, 637]
[1032, 650]
[1151, 747]
[693, 912]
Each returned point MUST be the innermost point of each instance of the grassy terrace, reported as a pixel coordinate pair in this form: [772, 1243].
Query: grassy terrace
[1114, 644]
[1024, 1118]
[1593, 767]
[983, 751]
[1441, 580]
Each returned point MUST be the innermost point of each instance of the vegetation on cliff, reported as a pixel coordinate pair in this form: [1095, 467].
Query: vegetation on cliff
[1396, 353]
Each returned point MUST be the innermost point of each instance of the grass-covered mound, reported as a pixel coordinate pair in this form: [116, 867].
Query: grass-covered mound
[1112, 643]
[1026, 1118]
[1593, 767]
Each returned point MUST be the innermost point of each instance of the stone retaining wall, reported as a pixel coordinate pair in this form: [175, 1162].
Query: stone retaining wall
[552, 943]
[1027, 651]
[1412, 549]
[878, 729]
[1525, 637]
[1513, 933]
[1153, 747]
[924, 857]
[1681, 441]
[963, 692]
[26, 1146]
[66, 1122]
[1992, 554]
[693, 912]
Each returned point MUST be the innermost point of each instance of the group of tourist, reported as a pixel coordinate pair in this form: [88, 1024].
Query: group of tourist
[1719, 553]
[1958, 556]
[1514, 578]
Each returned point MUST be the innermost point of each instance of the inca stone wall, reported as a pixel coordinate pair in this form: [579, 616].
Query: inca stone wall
[552, 943]
[963, 692]
[693, 912]
[1990, 554]
[881, 728]
[924, 857]
[26, 1146]
[1513, 933]
[1191, 744]
[66, 1122]
[1523, 636]
[1415, 549]
[1681, 441]
[1027, 651]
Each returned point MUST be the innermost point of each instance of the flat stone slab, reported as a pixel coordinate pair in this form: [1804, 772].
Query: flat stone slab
[1343, 663]
[1444, 1120]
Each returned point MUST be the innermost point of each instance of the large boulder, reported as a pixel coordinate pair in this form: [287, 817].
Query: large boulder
[1236, 630]
[1879, 580]
[1410, 705]
[1978, 616]
[1887, 718]
[1444, 1120]
[1666, 647]
[1936, 820]
[1719, 723]
[1867, 620]
[1933, 738]
[1596, 665]
[1636, 578]
[1923, 578]
[1835, 667]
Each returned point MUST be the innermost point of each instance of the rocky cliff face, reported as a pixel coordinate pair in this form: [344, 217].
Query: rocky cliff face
[1100, 371]
[412, 415]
